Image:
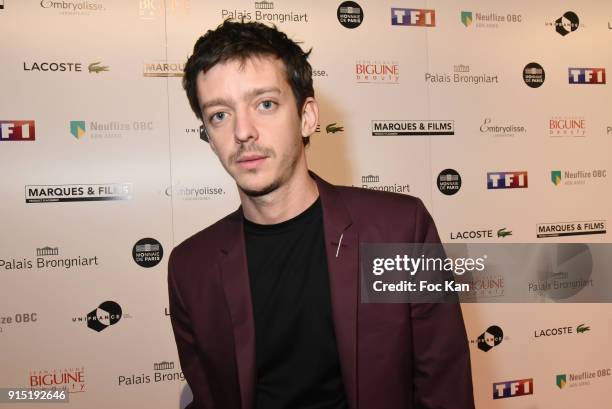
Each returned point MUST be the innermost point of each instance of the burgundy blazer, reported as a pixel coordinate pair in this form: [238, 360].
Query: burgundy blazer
[392, 356]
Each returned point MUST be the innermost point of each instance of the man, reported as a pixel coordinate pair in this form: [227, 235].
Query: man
[265, 303]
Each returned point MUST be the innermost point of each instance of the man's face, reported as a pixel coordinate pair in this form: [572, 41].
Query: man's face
[253, 126]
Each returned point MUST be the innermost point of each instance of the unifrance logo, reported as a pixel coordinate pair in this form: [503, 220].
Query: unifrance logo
[567, 23]
[510, 389]
[106, 314]
[413, 17]
[492, 337]
[587, 75]
[17, 130]
[507, 180]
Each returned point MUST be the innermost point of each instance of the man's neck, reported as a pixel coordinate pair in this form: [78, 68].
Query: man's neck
[284, 203]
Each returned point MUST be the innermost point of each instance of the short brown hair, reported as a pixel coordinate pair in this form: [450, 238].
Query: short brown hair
[239, 40]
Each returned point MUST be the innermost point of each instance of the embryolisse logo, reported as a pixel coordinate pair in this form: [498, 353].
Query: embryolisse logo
[193, 192]
[494, 128]
[72, 6]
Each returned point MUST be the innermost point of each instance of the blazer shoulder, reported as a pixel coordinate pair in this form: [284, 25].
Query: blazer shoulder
[360, 198]
[394, 216]
[204, 243]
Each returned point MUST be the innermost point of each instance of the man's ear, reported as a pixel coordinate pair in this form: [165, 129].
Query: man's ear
[310, 117]
[208, 139]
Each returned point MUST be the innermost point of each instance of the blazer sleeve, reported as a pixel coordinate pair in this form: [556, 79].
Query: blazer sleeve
[186, 344]
[441, 355]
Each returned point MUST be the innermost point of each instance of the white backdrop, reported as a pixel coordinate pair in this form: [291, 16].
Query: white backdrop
[98, 66]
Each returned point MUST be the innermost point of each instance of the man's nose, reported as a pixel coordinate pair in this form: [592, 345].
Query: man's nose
[244, 127]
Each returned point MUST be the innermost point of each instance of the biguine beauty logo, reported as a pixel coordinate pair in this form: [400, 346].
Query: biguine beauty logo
[560, 126]
[377, 72]
[71, 379]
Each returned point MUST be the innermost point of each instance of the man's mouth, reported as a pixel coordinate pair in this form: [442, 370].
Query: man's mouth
[250, 161]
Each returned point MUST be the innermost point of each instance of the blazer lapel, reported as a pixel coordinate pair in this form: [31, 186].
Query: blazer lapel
[342, 244]
[235, 278]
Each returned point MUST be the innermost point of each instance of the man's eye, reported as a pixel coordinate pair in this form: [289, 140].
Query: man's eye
[219, 116]
[266, 105]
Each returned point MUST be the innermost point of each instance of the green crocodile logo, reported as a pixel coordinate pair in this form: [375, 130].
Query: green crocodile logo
[582, 328]
[503, 232]
[96, 67]
[333, 128]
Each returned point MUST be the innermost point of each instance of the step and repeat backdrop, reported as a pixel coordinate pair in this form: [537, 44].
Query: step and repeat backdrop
[496, 114]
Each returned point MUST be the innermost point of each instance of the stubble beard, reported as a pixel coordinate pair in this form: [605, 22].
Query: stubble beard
[280, 179]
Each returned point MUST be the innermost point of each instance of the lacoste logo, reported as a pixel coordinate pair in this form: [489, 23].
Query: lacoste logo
[503, 232]
[582, 328]
[333, 128]
[96, 67]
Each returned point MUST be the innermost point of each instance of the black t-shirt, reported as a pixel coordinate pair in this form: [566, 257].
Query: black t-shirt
[295, 345]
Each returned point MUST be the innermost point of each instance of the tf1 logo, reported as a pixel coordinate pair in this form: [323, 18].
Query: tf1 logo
[510, 389]
[507, 180]
[13, 130]
[587, 75]
[413, 17]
